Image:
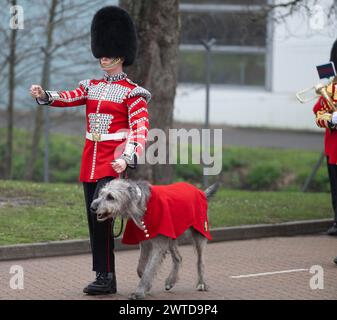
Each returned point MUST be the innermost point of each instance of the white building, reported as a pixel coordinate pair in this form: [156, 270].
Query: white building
[291, 52]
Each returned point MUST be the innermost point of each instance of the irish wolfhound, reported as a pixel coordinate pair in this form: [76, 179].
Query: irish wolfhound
[131, 200]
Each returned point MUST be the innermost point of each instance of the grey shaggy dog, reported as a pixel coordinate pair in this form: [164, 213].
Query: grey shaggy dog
[128, 199]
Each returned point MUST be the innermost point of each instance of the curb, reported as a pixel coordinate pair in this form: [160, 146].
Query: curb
[74, 247]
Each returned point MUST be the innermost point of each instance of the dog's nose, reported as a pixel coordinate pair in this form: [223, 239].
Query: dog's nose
[93, 208]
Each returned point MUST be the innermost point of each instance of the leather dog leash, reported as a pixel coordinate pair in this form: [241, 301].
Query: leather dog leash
[122, 175]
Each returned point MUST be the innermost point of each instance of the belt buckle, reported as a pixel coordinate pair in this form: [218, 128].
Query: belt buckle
[96, 137]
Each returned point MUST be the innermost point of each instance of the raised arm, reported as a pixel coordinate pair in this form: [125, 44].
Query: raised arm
[70, 98]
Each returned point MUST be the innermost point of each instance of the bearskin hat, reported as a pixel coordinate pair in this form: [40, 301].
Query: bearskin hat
[113, 34]
[333, 54]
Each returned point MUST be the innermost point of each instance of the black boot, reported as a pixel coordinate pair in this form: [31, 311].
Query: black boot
[105, 283]
[333, 230]
[335, 261]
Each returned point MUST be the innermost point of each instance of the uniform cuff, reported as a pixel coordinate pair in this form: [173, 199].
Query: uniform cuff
[131, 163]
[332, 126]
[45, 102]
[130, 155]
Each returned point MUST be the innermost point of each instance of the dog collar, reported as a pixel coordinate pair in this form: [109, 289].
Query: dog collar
[142, 225]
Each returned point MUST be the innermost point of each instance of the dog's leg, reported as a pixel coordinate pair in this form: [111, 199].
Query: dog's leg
[176, 262]
[157, 255]
[145, 249]
[200, 243]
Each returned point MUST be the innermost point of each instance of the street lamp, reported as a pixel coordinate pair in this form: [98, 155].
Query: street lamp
[208, 44]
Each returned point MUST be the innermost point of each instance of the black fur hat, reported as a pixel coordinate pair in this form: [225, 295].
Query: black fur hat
[333, 54]
[113, 34]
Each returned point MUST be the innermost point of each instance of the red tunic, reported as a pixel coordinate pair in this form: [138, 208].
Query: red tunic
[330, 139]
[113, 104]
[171, 210]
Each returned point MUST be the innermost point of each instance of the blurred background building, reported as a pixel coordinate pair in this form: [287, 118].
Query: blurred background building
[258, 62]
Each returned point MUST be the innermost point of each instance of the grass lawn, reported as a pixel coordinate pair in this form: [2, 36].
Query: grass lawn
[236, 207]
[34, 212]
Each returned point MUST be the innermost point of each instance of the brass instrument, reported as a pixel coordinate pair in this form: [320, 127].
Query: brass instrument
[326, 91]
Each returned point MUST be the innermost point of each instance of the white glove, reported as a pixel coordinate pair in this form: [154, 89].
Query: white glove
[334, 118]
[119, 165]
[37, 92]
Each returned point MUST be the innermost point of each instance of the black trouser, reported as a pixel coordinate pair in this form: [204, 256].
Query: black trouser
[332, 170]
[101, 237]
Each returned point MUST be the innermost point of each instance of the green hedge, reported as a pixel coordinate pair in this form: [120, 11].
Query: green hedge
[65, 156]
[264, 176]
[242, 167]
[264, 169]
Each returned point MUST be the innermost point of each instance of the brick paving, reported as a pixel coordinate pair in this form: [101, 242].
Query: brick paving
[62, 278]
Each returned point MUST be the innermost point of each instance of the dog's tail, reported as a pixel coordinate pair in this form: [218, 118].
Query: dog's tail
[211, 190]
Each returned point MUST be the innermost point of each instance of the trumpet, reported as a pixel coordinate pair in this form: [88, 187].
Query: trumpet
[326, 91]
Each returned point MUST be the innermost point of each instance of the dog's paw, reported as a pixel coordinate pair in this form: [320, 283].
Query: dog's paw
[202, 287]
[136, 296]
[140, 273]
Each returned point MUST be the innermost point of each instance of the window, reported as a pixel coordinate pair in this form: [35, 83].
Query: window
[240, 31]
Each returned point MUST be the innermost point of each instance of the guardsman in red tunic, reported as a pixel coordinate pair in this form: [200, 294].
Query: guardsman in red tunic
[117, 127]
[326, 118]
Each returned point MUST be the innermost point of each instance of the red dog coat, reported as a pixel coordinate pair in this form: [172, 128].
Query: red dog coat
[171, 210]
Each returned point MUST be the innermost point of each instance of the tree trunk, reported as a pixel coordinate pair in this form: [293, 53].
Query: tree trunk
[158, 27]
[10, 108]
[38, 124]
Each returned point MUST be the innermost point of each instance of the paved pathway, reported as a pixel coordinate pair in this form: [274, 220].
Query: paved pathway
[273, 268]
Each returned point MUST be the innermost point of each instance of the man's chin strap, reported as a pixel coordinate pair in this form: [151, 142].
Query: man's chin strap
[114, 62]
